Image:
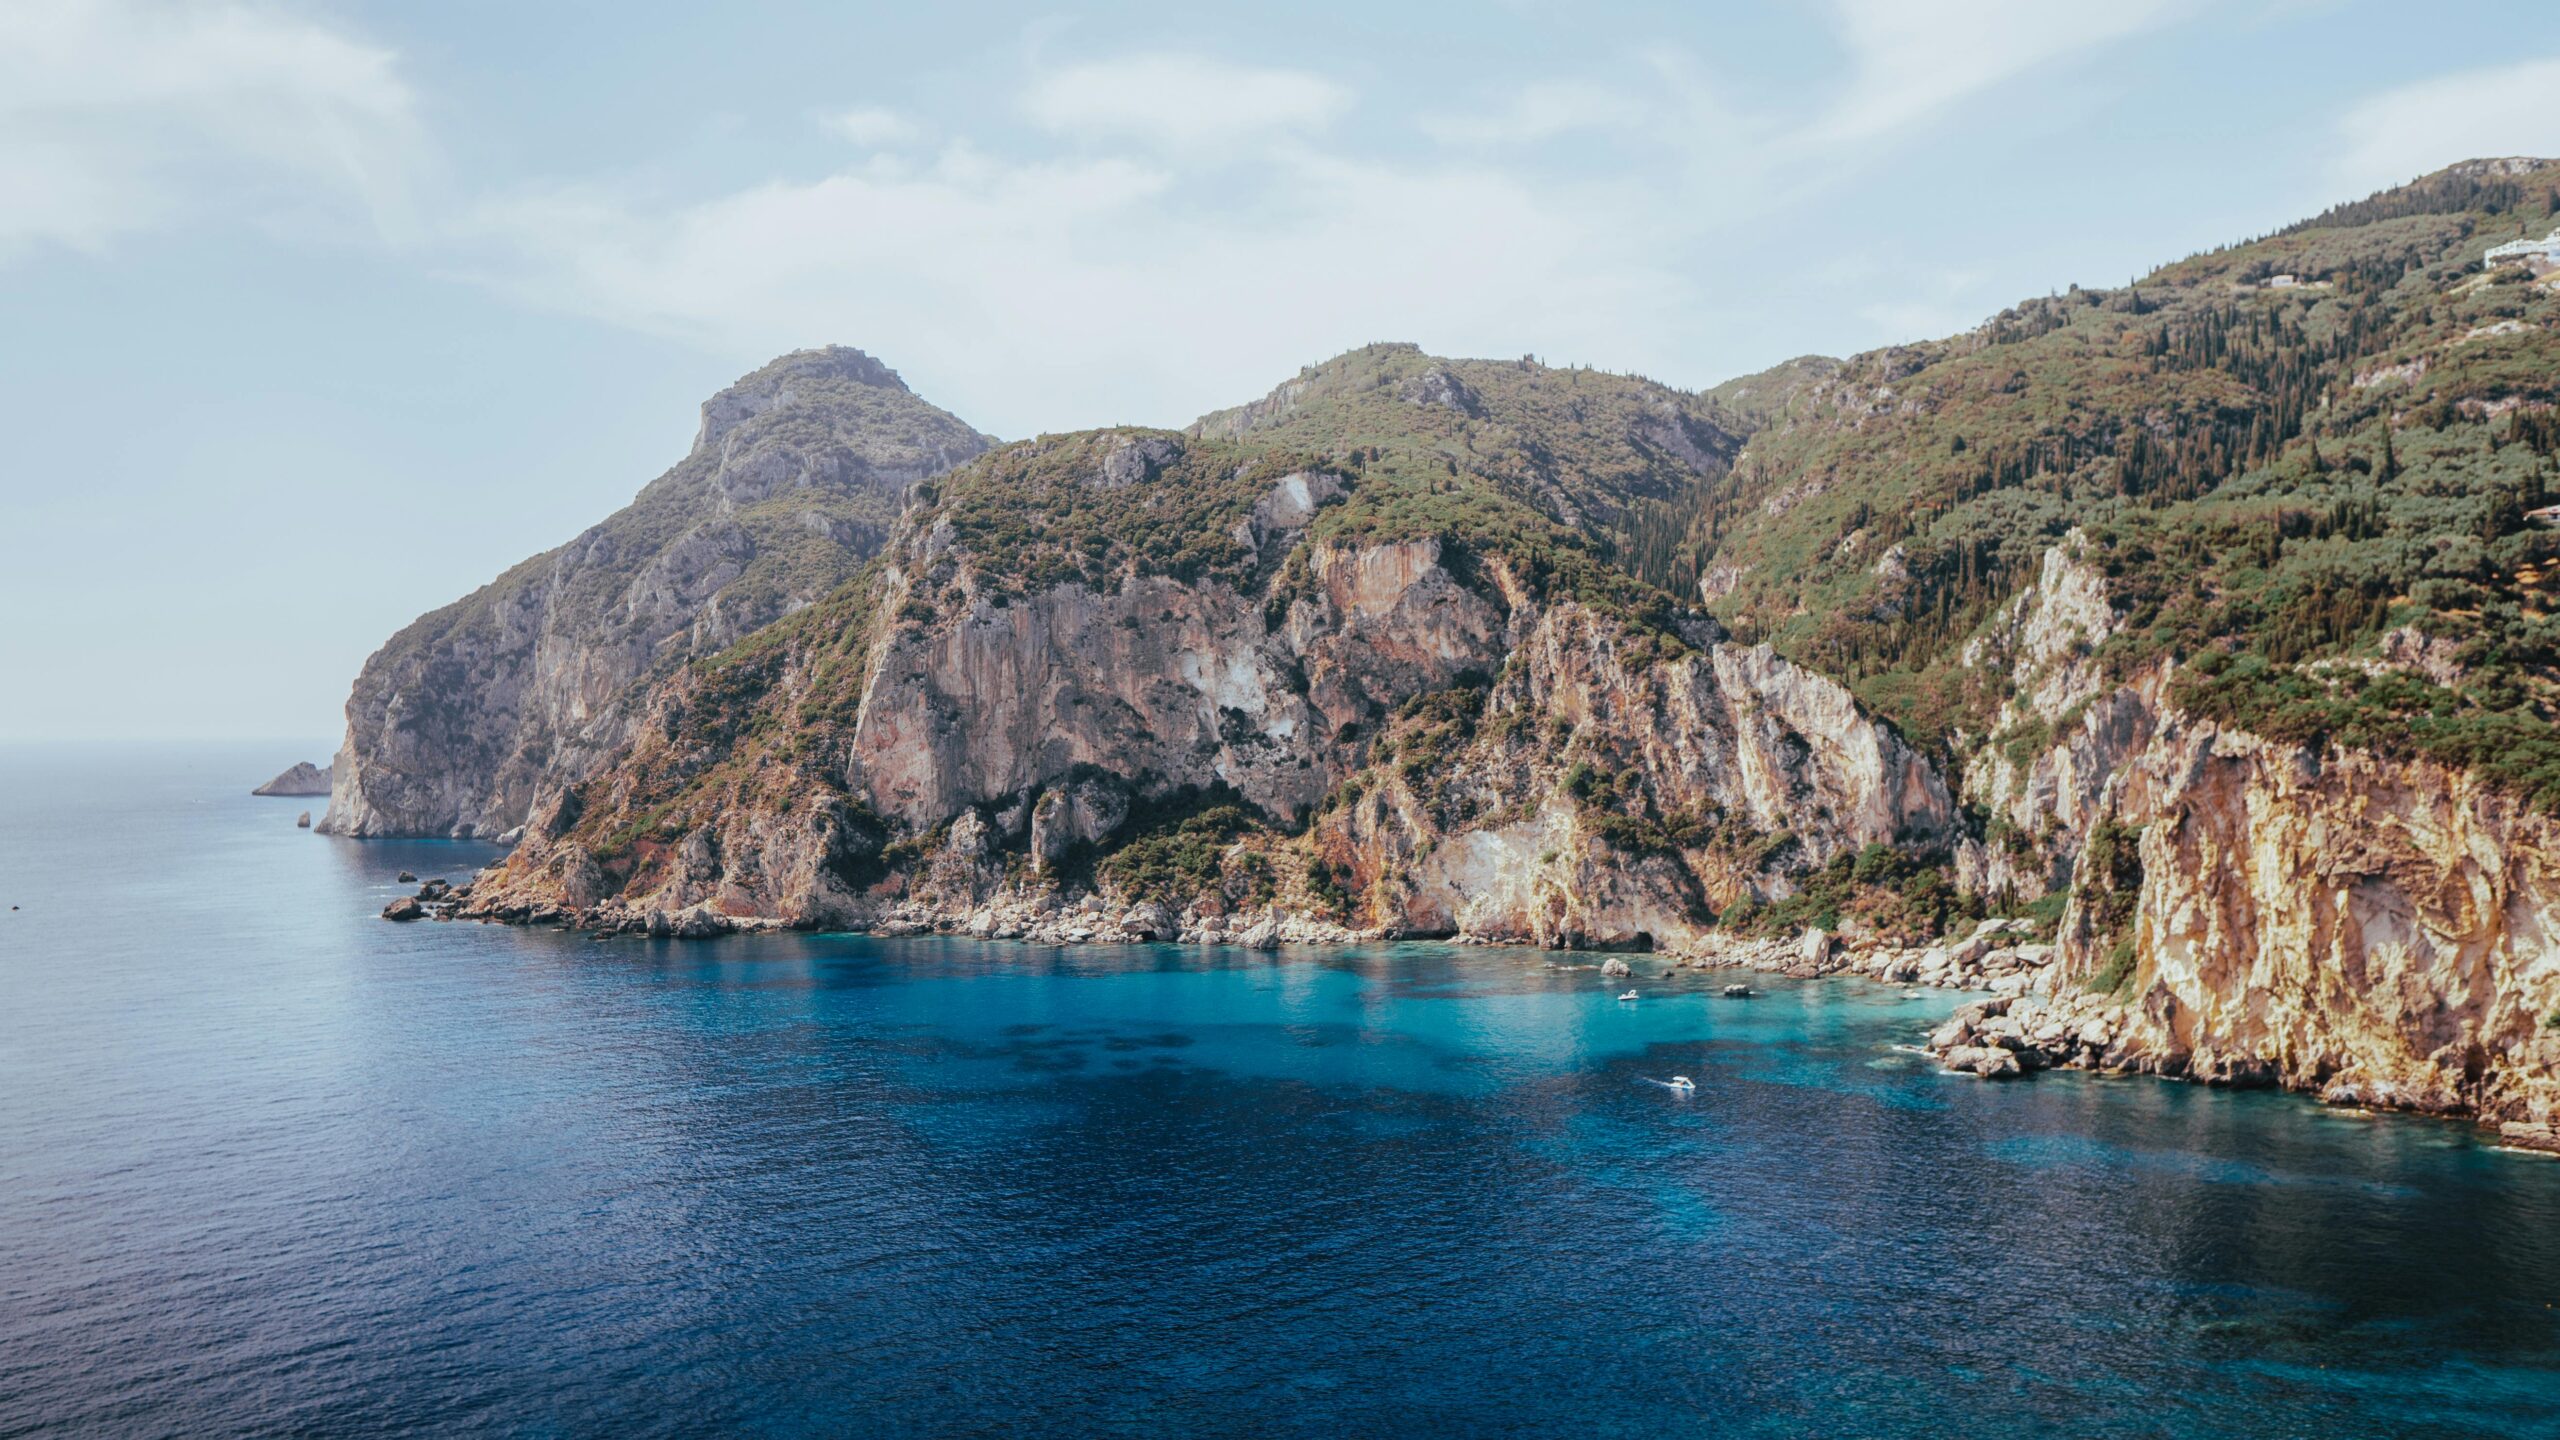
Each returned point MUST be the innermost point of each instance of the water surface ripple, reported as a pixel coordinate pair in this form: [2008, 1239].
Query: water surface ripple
[268, 1164]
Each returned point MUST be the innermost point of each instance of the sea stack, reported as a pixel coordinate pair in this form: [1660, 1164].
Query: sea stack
[304, 778]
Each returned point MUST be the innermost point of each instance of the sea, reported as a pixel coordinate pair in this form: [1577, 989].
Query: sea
[271, 1165]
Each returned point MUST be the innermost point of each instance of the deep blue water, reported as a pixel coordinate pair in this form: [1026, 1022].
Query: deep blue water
[268, 1164]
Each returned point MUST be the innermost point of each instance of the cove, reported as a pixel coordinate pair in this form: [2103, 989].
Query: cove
[267, 1163]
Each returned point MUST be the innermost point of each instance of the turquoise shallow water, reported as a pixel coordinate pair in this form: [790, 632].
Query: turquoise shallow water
[268, 1164]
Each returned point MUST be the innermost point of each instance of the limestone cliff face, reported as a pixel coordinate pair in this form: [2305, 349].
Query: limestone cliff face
[2375, 930]
[468, 716]
[2379, 931]
[1451, 752]
[1598, 798]
[2065, 730]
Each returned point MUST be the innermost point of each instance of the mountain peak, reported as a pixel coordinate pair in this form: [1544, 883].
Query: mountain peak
[2502, 165]
[781, 380]
[2491, 185]
[832, 362]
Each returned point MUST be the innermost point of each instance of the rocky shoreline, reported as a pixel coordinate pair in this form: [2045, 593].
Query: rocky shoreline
[2031, 1015]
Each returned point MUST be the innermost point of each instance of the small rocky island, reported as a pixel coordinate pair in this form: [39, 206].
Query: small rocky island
[304, 778]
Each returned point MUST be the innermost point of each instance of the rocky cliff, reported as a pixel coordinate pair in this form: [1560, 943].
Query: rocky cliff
[2376, 930]
[302, 778]
[2381, 932]
[1382, 735]
[2179, 662]
[464, 719]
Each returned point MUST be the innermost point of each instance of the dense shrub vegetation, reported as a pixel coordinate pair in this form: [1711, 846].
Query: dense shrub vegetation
[2286, 475]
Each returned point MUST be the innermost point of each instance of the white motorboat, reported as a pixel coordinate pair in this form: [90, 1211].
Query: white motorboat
[1683, 1084]
[1630, 995]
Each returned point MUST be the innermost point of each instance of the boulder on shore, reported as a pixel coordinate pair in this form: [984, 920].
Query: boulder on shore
[304, 778]
[303, 820]
[2530, 1136]
[1614, 968]
[404, 908]
[1988, 1061]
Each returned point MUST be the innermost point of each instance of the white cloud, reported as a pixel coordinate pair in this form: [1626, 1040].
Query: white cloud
[2394, 137]
[1541, 111]
[1909, 59]
[872, 125]
[1123, 280]
[1182, 103]
[1059, 294]
[118, 115]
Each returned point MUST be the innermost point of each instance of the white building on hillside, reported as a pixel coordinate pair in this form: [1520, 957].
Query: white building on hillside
[2537, 253]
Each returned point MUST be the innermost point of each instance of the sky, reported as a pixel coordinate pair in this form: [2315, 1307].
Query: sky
[315, 316]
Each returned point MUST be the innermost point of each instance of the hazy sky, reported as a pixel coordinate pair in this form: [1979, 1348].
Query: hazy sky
[315, 316]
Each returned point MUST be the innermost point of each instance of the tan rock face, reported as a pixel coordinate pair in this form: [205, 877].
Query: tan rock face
[1032, 724]
[2376, 931]
[1500, 845]
[466, 718]
[2373, 931]
[2043, 646]
[1162, 683]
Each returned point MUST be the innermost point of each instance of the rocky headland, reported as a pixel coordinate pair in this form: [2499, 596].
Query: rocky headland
[2174, 665]
[462, 722]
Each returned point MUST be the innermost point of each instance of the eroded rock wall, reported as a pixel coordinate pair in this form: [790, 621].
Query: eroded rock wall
[464, 719]
[2379, 931]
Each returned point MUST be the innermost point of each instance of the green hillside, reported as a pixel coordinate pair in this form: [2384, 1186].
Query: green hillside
[2275, 475]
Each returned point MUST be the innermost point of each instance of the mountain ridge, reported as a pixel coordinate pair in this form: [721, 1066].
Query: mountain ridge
[2201, 627]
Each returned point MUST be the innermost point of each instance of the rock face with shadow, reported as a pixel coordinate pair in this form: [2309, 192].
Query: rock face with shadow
[1328, 718]
[2374, 930]
[467, 718]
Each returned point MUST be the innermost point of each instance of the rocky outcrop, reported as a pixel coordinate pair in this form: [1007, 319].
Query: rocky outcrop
[2376, 931]
[2063, 732]
[466, 718]
[2373, 930]
[1431, 744]
[1518, 837]
[435, 900]
[2004, 1036]
[304, 778]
